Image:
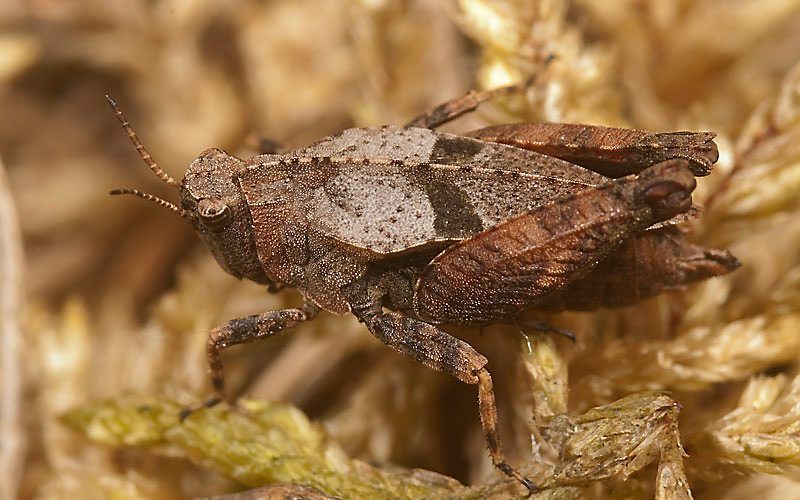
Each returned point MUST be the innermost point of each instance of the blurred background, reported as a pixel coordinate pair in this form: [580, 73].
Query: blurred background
[105, 297]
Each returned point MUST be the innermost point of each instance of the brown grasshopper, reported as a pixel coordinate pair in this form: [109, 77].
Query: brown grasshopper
[406, 228]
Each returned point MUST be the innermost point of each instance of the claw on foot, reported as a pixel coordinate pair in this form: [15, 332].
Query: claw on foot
[532, 488]
[511, 472]
[189, 410]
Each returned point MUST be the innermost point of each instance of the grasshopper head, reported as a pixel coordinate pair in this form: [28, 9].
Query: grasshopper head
[212, 202]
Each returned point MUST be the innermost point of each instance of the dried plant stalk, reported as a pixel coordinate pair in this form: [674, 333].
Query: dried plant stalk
[619, 439]
[697, 358]
[547, 368]
[762, 434]
[270, 443]
[12, 432]
[275, 492]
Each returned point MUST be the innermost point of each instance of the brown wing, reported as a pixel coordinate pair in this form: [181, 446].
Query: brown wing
[515, 264]
[650, 263]
[613, 152]
[390, 206]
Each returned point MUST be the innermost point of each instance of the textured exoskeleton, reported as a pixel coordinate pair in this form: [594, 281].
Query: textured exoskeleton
[406, 227]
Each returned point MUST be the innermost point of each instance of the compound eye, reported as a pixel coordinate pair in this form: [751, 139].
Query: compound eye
[214, 213]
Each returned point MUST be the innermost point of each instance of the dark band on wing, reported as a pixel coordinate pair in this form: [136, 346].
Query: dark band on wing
[454, 150]
[454, 215]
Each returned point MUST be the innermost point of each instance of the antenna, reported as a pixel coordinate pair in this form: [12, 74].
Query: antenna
[138, 144]
[150, 197]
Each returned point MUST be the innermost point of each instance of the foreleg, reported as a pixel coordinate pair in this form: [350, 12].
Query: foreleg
[242, 331]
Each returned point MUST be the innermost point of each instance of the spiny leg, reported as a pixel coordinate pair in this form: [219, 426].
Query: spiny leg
[242, 331]
[487, 408]
[443, 352]
[459, 106]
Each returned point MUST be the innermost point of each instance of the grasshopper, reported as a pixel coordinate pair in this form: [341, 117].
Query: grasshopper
[406, 228]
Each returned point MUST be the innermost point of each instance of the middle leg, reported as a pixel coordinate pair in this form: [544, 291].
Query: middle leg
[459, 106]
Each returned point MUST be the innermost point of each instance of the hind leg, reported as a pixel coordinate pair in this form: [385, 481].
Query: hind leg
[442, 352]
